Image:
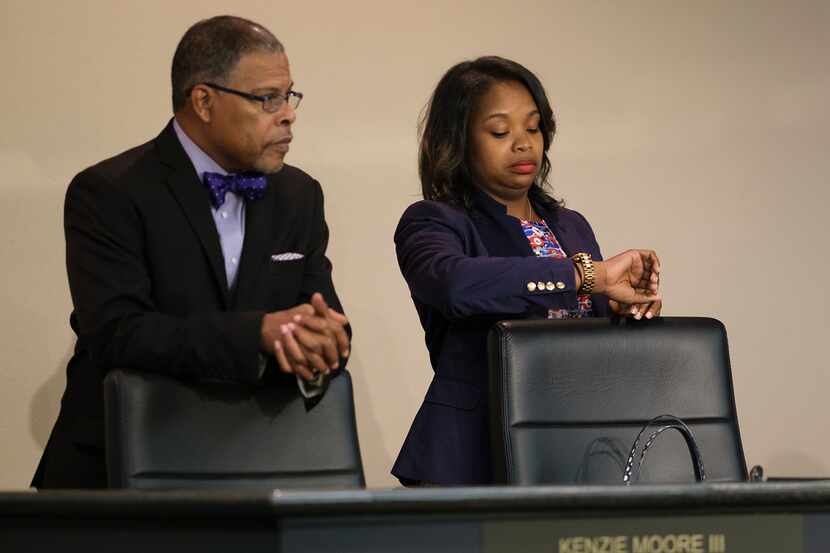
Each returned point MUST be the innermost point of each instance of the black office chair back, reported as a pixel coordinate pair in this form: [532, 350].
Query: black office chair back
[163, 433]
[568, 398]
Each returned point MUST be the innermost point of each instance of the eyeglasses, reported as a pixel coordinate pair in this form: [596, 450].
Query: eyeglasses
[271, 103]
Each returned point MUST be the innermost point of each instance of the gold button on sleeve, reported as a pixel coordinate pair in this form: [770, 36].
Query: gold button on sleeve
[560, 285]
[549, 286]
[531, 286]
[540, 285]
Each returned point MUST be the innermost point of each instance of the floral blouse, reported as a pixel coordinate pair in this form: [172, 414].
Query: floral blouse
[544, 244]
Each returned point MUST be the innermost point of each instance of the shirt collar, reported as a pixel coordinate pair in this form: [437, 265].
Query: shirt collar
[483, 202]
[487, 203]
[202, 162]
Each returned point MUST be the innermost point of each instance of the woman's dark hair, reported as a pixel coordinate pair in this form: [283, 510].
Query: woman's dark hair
[444, 156]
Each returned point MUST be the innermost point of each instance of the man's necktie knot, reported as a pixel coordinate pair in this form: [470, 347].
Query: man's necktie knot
[250, 186]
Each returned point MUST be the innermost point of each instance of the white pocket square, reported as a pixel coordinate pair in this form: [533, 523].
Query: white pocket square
[287, 256]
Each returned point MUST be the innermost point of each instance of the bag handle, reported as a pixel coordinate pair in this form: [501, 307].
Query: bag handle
[673, 423]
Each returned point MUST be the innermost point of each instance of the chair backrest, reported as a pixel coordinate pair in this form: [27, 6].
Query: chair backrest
[162, 433]
[567, 399]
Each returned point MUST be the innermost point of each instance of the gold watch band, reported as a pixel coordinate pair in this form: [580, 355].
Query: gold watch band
[586, 267]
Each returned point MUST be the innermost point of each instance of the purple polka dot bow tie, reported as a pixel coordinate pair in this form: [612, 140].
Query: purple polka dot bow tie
[250, 186]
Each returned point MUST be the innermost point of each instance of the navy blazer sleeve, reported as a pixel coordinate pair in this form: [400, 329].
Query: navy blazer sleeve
[447, 267]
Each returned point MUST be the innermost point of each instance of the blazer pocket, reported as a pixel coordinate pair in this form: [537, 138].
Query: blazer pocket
[283, 280]
[286, 256]
[286, 267]
[453, 393]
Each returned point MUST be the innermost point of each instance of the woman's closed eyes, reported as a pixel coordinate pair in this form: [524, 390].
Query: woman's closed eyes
[532, 130]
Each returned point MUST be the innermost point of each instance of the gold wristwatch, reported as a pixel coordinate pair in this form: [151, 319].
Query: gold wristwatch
[586, 267]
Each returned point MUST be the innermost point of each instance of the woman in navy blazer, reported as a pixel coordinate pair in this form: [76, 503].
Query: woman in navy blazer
[488, 243]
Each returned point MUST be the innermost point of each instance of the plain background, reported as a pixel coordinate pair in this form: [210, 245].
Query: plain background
[697, 128]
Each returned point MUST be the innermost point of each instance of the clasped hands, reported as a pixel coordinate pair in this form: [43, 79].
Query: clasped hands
[308, 339]
[631, 282]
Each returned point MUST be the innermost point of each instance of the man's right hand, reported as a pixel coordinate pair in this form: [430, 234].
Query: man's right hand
[306, 339]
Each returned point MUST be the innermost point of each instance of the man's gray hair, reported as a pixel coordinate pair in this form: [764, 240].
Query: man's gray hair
[210, 50]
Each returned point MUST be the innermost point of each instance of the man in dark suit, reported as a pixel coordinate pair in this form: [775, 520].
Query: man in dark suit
[198, 254]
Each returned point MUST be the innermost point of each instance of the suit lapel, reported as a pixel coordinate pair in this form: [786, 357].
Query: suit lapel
[193, 198]
[502, 234]
[566, 239]
[259, 218]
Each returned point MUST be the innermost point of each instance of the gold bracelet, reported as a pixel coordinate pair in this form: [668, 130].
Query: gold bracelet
[586, 267]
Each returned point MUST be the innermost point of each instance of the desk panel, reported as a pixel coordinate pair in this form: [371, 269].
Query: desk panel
[710, 518]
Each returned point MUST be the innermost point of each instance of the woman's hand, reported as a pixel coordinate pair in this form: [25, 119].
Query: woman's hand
[647, 310]
[631, 281]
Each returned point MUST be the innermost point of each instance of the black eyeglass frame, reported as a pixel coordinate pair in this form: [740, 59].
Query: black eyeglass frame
[286, 98]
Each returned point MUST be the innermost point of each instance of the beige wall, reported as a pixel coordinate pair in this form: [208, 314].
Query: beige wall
[697, 128]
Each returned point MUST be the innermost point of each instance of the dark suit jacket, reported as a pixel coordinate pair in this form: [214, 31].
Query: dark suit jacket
[465, 272]
[149, 289]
